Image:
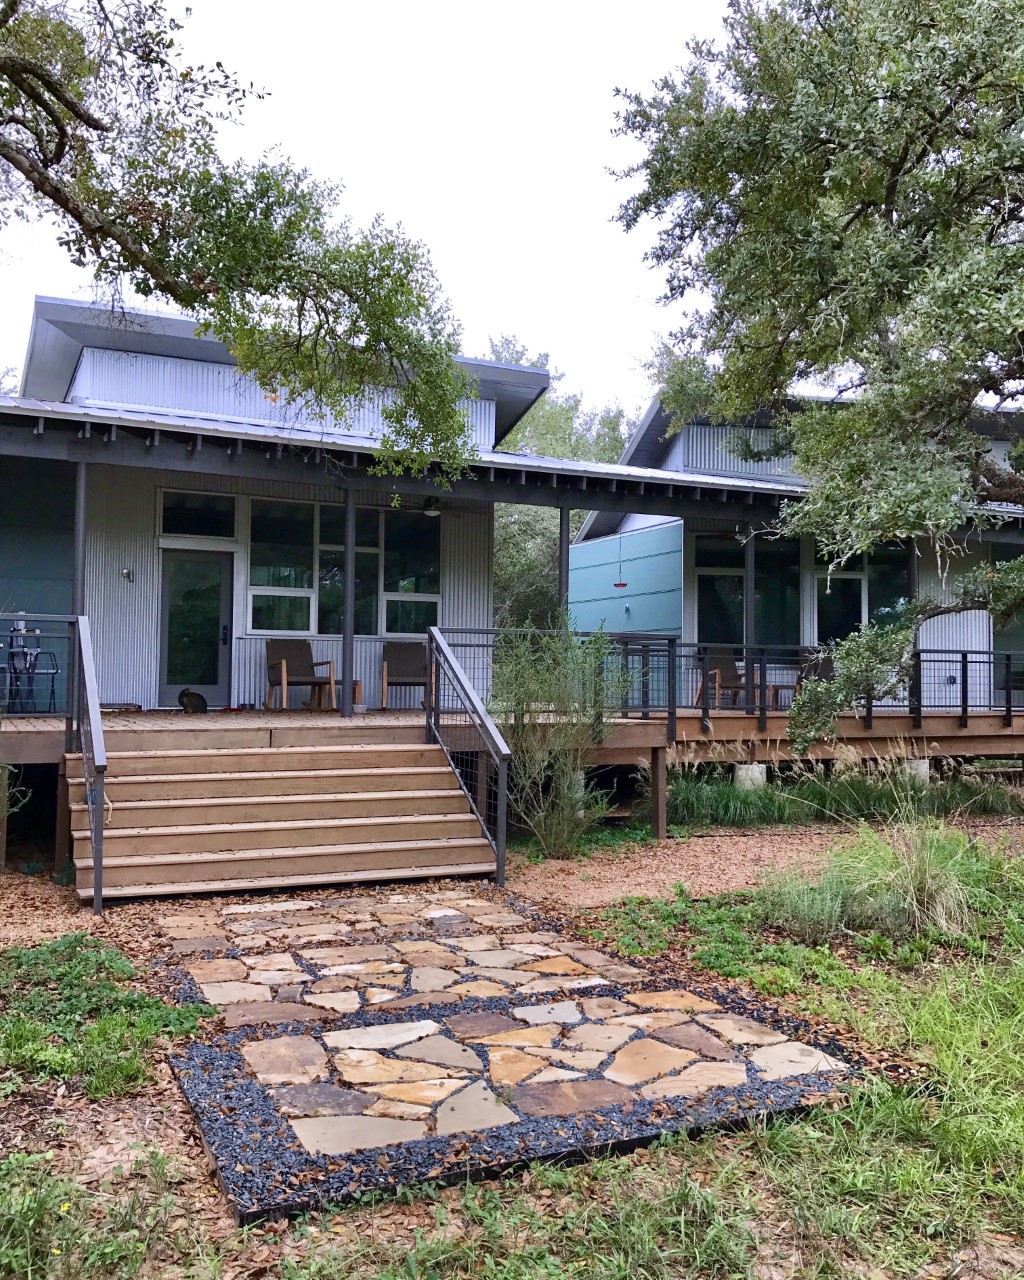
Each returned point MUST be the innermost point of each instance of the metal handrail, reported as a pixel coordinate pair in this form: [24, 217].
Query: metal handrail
[441, 660]
[94, 753]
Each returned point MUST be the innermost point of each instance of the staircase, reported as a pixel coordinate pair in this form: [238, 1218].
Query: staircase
[231, 817]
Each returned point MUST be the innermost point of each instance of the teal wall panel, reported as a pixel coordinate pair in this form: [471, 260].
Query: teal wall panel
[37, 517]
[651, 567]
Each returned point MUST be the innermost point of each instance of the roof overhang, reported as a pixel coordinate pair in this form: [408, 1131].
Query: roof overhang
[141, 438]
[61, 328]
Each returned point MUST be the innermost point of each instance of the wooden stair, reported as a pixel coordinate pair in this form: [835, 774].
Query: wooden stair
[233, 817]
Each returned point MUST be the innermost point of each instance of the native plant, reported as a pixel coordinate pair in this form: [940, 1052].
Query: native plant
[550, 693]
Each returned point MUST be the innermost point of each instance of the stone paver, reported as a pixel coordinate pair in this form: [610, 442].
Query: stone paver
[475, 1107]
[647, 1059]
[286, 1060]
[407, 1016]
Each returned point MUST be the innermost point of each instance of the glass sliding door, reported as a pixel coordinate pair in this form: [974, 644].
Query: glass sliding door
[841, 605]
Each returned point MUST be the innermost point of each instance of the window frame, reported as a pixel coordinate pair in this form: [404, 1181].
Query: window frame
[186, 540]
[312, 594]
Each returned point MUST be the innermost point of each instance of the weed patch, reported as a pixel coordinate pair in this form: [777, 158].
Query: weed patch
[66, 1011]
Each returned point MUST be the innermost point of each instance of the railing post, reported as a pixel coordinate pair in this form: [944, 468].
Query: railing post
[705, 692]
[762, 691]
[501, 820]
[428, 692]
[673, 690]
[916, 690]
[645, 682]
[96, 816]
[1008, 710]
[965, 703]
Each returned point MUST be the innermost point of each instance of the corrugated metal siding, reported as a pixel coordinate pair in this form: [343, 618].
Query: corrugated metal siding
[202, 387]
[651, 566]
[705, 448]
[122, 534]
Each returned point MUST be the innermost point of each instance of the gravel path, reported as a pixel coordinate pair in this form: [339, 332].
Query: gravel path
[721, 862]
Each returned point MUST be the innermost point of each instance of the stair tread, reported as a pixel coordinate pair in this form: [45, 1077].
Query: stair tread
[318, 797]
[284, 825]
[329, 748]
[290, 851]
[416, 770]
[252, 884]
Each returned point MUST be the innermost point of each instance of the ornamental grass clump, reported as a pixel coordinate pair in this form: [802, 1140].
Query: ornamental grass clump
[916, 879]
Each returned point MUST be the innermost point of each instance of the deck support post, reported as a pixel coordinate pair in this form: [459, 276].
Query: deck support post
[563, 557]
[659, 792]
[348, 622]
[62, 843]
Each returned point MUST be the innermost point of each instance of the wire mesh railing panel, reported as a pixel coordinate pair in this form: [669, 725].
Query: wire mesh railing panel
[36, 661]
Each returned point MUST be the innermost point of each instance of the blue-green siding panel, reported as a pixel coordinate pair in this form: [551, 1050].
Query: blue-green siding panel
[37, 516]
[651, 567]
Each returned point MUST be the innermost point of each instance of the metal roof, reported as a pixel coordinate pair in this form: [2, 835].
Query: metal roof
[62, 327]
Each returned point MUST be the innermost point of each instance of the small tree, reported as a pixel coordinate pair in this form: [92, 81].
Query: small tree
[550, 691]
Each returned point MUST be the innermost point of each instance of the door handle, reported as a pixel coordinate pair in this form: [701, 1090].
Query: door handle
[224, 634]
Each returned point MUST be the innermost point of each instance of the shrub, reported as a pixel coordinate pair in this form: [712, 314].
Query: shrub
[550, 690]
[884, 794]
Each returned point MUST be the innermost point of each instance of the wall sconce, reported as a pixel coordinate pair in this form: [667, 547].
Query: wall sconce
[128, 575]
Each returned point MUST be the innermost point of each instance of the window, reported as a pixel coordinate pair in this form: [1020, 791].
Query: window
[198, 515]
[281, 565]
[720, 589]
[776, 592]
[281, 544]
[330, 613]
[297, 570]
[868, 588]
[411, 572]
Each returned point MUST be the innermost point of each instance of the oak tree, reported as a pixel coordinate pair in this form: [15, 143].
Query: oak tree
[106, 125]
[838, 195]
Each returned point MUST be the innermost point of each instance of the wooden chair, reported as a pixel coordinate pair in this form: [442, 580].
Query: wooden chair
[723, 677]
[290, 663]
[404, 667]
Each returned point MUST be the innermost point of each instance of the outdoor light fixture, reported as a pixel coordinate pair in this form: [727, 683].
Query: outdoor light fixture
[128, 575]
[432, 507]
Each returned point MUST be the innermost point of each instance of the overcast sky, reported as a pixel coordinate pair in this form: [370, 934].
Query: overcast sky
[484, 129]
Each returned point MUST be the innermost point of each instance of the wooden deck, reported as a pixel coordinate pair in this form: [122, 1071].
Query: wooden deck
[733, 736]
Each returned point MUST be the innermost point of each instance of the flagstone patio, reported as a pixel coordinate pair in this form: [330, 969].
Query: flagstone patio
[377, 1041]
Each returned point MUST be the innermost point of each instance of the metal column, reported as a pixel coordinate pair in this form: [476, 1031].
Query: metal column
[348, 622]
[563, 557]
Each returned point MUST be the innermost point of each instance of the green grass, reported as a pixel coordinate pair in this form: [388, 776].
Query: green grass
[67, 1011]
[700, 800]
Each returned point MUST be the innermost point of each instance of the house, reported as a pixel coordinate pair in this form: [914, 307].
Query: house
[190, 520]
[724, 586]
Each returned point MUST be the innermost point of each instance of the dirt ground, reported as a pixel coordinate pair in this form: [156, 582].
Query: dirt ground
[722, 861]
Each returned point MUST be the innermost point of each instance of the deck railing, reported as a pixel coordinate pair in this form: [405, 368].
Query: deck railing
[459, 722]
[49, 658]
[759, 680]
[639, 671]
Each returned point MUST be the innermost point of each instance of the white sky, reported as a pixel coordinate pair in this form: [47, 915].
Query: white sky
[484, 129]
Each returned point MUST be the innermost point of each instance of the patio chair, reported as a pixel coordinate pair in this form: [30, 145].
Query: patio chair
[723, 677]
[290, 664]
[404, 667]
